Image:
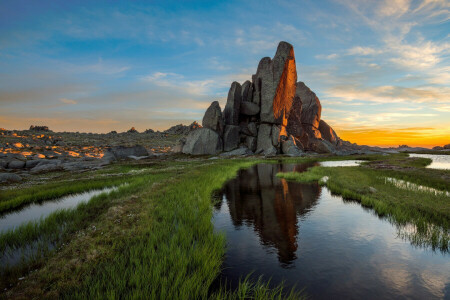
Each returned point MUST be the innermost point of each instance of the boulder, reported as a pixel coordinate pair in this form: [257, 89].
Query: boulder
[248, 128]
[123, 152]
[231, 137]
[213, 118]
[264, 141]
[290, 148]
[249, 108]
[275, 135]
[247, 91]
[178, 148]
[271, 151]
[231, 111]
[16, 164]
[203, 141]
[320, 146]
[311, 108]
[250, 142]
[252, 129]
[328, 133]
[46, 168]
[274, 83]
[32, 163]
[9, 177]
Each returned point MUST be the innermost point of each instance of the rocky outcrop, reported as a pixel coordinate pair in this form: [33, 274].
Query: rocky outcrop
[213, 118]
[272, 114]
[122, 152]
[39, 128]
[203, 141]
[183, 129]
[231, 112]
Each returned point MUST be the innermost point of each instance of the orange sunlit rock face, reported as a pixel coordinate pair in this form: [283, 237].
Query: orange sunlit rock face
[391, 137]
[285, 91]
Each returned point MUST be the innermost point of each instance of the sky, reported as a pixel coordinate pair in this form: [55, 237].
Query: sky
[381, 69]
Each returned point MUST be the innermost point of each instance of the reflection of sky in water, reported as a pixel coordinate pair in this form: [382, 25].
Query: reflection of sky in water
[406, 185]
[341, 163]
[34, 212]
[439, 161]
[341, 250]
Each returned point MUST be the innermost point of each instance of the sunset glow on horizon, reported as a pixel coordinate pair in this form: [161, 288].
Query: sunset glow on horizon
[381, 69]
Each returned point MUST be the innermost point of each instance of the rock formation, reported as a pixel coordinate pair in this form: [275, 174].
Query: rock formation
[39, 128]
[272, 114]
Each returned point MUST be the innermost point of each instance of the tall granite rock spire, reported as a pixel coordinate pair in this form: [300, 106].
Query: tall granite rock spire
[272, 114]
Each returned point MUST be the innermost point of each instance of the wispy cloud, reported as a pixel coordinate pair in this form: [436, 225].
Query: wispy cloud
[67, 101]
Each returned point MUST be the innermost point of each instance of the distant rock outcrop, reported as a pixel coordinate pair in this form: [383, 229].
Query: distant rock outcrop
[183, 129]
[39, 128]
[272, 114]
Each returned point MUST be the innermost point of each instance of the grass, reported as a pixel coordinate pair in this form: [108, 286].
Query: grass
[430, 213]
[168, 249]
[154, 238]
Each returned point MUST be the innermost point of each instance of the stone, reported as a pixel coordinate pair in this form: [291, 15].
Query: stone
[46, 168]
[123, 152]
[60, 143]
[294, 123]
[16, 164]
[32, 163]
[231, 111]
[243, 151]
[213, 118]
[320, 146]
[230, 137]
[311, 107]
[249, 108]
[328, 133]
[3, 164]
[252, 129]
[250, 142]
[271, 151]
[290, 148]
[247, 91]
[9, 177]
[108, 157]
[264, 138]
[275, 135]
[248, 128]
[203, 141]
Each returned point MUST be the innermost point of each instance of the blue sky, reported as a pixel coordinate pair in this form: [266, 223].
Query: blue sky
[377, 66]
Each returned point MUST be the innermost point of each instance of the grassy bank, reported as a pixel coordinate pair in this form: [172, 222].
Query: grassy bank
[366, 184]
[154, 240]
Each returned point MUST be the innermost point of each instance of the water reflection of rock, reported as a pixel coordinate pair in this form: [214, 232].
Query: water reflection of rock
[272, 205]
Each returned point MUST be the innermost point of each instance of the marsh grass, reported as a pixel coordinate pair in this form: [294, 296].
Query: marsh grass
[169, 251]
[35, 240]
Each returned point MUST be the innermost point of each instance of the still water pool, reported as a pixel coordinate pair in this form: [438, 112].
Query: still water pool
[438, 161]
[303, 235]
